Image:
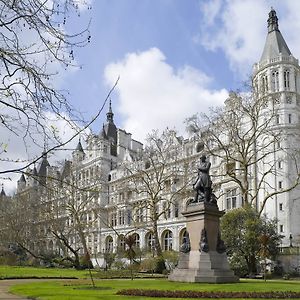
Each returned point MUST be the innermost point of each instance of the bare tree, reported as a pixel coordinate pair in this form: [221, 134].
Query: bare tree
[35, 46]
[160, 176]
[249, 143]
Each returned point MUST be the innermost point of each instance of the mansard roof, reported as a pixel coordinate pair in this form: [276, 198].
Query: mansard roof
[275, 43]
[42, 171]
[110, 129]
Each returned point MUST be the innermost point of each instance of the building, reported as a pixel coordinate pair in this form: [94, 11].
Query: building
[97, 180]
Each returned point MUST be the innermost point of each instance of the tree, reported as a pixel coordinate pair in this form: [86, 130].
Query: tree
[249, 144]
[242, 230]
[160, 176]
[35, 46]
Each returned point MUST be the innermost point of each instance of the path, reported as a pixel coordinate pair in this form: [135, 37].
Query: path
[6, 284]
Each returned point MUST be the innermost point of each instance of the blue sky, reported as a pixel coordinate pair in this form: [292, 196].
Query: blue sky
[209, 43]
[174, 58]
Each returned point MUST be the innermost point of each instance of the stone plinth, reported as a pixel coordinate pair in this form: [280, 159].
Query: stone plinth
[206, 261]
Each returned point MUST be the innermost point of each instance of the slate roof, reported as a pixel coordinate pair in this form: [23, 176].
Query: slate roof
[275, 43]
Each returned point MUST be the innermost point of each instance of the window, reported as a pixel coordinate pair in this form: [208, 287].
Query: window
[129, 217]
[121, 242]
[136, 240]
[113, 219]
[231, 199]
[264, 83]
[290, 118]
[280, 164]
[286, 79]
[139, 217]
[200, 147]
[289, 100]
[277, 119]
[275, 81]
[176, 209]
[281, 229]
[280, 206]
[150, 241]
[278, 144]
[109, 244]
[280, 184]
[167, 240]
[121, 217]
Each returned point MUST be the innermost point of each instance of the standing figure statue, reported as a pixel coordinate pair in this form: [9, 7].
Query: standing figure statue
[203, 184]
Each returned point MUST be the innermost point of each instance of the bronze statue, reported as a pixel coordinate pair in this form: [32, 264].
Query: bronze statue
[203, 184]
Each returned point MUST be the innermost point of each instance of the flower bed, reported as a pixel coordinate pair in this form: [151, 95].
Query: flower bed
[213, 295]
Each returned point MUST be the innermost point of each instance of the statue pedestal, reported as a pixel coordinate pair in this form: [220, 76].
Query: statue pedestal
[206, 261]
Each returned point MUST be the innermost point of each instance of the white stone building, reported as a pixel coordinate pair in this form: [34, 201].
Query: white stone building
[113, 212]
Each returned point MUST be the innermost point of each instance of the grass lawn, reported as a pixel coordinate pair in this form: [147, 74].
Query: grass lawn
[8, 272]
[64, 290]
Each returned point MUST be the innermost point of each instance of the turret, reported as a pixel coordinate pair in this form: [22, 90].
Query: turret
[78, 154]
[21, 184]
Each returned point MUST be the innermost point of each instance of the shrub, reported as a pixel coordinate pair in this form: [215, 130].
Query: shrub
[148, 264]
[160, 265]
[171, 259]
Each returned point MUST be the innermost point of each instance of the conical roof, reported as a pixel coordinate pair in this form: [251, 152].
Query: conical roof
[79, 147]
[275, 43]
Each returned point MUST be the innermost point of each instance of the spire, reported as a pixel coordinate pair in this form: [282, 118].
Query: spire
[275, 44]
[2, 194]
[110, 114]
[79, 146]
[272, 21]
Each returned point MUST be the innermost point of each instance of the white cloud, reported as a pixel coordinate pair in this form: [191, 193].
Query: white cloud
[239, 29]
[153, 95]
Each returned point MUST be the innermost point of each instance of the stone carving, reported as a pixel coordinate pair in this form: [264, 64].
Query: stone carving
[203, 184]
[185, 247]
[203, 241]
[221, 248]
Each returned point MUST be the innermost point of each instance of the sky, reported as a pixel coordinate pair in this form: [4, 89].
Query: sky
[174, 58]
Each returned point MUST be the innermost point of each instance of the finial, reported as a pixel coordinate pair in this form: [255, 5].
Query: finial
[272, 21]
[110, 114]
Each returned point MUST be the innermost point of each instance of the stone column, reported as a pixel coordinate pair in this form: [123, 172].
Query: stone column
[205, 259]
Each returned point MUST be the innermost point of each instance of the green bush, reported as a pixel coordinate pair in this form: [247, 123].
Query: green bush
[148, 264]
[160, 265]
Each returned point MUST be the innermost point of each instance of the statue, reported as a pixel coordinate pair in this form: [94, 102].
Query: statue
[203, 184]
[203, 241]
[185, 247]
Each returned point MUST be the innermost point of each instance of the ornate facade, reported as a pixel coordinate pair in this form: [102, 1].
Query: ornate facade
[112, 209]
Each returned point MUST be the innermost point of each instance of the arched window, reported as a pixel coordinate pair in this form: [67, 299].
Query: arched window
[109, 244]
[199, 147]
[121, 242]
[167, 239]
[149, 241]
[137, 240]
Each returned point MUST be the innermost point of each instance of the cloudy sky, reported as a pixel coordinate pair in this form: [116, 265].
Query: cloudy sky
[174, 57]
